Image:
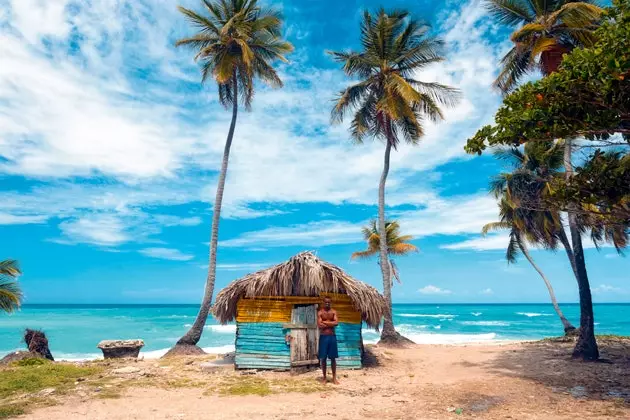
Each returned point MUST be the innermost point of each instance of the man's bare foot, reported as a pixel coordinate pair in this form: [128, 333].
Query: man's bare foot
[322, 381]
[335, 381]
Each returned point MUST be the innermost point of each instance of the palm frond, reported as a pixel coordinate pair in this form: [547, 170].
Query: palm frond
[510, 12]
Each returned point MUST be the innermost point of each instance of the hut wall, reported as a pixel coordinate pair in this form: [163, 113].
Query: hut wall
[260, 336]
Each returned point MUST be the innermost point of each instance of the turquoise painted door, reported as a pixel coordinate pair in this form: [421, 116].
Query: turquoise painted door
[304, 335]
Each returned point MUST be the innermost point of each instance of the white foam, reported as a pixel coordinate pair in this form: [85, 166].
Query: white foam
[156, 354]
[451, 338]
[187, 325]
[223, 329]
[437, 327]
[487, 323]
[445, 316]
[77, 357]
[476, 313]
[532, 314]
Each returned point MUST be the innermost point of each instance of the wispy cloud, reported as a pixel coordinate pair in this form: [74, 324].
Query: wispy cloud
[11, 219]
[488, 243]
[243, 266]
[607, 289]
[433, 290]
[166, 254]
[487, 291]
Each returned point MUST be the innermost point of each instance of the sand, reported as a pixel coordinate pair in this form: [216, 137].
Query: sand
[512, 381]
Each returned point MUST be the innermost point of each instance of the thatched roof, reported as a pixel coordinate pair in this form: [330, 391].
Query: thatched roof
[303, 275]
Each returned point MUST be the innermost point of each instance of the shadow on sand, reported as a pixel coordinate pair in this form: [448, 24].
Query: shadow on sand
[549, 363]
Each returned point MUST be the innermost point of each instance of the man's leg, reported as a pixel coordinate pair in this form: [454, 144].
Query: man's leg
[323, 363]
[333, 365]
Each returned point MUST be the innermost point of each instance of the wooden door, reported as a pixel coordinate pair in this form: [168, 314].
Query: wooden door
[304, 335]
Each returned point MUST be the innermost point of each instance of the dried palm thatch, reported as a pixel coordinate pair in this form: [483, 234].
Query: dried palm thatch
[303, 275]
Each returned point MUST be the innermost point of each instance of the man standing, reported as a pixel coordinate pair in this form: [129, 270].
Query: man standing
[327, 321]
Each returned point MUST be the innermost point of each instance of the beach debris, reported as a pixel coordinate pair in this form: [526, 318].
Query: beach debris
[578, 392]
[37, 343]
[126, 370]
[116, 349]
[46, 392]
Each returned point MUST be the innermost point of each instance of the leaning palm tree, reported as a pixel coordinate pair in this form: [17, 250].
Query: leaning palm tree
[514, 220]
[236, 42]
[397, 244]
[545, 30]
[10, 292]
[390, 103]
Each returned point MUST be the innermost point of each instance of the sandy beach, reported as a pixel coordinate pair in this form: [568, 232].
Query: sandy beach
[509, 381]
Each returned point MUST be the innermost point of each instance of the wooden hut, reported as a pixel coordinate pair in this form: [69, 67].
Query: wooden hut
[276, 313]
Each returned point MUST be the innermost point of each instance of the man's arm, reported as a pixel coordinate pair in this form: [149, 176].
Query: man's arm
[334, 321]
[320, 322]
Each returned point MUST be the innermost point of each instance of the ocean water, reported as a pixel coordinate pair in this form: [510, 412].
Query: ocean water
[74, 330]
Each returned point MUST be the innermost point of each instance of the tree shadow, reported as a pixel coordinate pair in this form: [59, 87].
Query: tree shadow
[549, 363]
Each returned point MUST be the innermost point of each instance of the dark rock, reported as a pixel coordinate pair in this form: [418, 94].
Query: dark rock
[184, 350]
[37, 342]
[116, 349]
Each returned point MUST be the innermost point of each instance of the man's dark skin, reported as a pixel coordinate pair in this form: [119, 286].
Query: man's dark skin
[326, 322]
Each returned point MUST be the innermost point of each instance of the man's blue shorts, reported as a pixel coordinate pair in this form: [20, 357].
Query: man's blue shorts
[328, 347]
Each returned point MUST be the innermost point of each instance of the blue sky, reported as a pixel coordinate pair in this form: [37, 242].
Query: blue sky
[109, 147]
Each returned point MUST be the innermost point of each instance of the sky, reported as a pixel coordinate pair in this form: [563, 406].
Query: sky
[110, 146]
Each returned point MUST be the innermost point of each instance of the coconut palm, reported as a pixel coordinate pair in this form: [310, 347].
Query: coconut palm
[397, 244]
[515, 220]
[236, 42]
[545, 30]
[10, 292]
[389, 102]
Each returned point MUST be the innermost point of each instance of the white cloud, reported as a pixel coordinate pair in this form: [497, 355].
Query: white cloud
[10, 219]
[433, 290]
[487, 243]
[243, 267]
[606, 289]
[166, 254]
[83, 113]
[454, 215]
[104, 230]
[487, 291]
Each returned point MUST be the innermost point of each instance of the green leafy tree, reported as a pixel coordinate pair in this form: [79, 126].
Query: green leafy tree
[533, 170]
[397, 244]
[10, 291]
[588, 96]
[545, 30]
[389, 103]
[236, 43]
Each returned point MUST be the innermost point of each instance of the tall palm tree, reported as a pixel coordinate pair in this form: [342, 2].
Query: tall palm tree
[546, 29]
[10, 292]
[389, 102]
[514, 220]
[236, 42]
[397, 244]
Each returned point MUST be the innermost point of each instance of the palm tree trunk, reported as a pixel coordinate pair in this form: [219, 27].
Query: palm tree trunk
[193, 335]
[565, 322]
[388, 323]
[586, 345]
[569, 250]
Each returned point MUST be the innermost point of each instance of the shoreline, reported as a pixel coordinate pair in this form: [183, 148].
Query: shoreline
[228, 348]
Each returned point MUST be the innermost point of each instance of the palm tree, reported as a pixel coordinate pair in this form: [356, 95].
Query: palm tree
[546, 29]
[397, 244]
[514, 220]
[389, 103]
[235, 43]
[10, 292]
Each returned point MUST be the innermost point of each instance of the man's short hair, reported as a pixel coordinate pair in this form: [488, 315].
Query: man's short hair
[327, 297]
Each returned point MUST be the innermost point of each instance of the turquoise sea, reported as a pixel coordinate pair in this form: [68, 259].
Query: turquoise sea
[74, 330]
